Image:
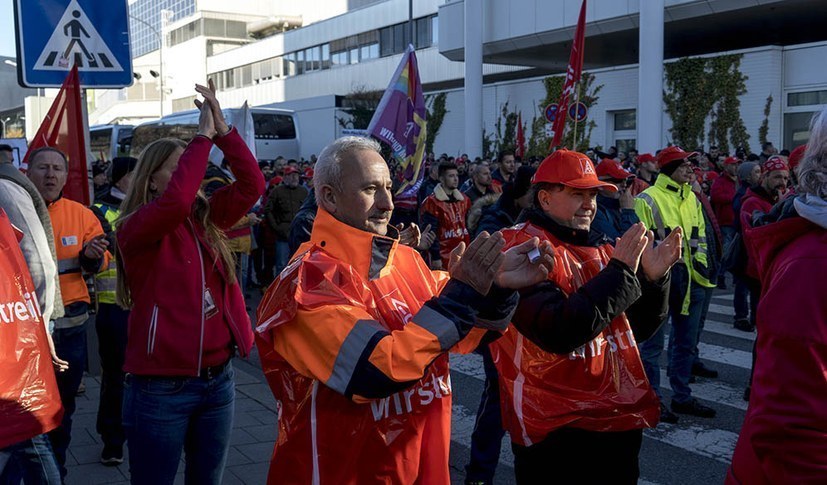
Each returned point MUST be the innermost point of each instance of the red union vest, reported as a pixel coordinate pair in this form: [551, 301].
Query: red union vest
[29, 400]
[599, 387]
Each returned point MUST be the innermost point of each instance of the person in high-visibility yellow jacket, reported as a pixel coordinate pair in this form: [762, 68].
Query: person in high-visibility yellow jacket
[81, 248]
[111, 320]
[668, 204]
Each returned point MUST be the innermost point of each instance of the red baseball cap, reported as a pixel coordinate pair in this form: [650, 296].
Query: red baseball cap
[611, 168]
[671, 154]
[710, 176]
[645, 157]
[289, 169]
[731, 161]
[308, 173]
[569, 168]
[797, 155]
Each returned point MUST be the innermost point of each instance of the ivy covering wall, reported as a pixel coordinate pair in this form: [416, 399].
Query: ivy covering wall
[703, 92]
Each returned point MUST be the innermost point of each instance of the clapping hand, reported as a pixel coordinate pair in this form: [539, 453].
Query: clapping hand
[409, 236]
[656, 261]
[518, 271]
[478, 265]
[219, 124]
[630, 246]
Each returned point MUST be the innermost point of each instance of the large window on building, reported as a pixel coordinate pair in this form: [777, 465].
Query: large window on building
[801, 107]
[623, 125]
[145, 33]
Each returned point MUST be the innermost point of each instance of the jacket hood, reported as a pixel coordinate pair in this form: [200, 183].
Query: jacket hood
[773, 231]
[812, 208]
[477, 208]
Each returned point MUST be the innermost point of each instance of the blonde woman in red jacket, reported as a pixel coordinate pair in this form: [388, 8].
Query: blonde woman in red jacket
[188, 318]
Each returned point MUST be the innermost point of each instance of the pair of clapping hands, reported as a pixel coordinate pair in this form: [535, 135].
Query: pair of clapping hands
[211, 122]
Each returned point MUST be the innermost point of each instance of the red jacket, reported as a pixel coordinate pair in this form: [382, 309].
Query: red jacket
[784, 436]
[600, 386]
[756, 199]
[168, 260]
[722, 194]
[446, 215]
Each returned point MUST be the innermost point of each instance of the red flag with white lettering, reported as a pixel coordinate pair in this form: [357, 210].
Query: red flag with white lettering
[63, 129]
[573, 72]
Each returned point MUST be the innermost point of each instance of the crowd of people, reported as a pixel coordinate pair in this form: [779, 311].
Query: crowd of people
[565, 273]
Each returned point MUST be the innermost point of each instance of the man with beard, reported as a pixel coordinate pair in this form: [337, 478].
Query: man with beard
[506, 166]
[445, 212]
[480, 183]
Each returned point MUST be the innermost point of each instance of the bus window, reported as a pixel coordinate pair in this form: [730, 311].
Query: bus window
[124, 141]
[100, 143]
[274, 127]
[143, 135]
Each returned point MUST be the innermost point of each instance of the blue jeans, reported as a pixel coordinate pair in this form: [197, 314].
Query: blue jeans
[164, 415]
[282, 256]
[704, 310]
[31, 460]
[70, 345]
[487, 437]
[683, 338]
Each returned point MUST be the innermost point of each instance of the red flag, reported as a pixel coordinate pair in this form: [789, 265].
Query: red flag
[520, 150]
[63, 129]
[572, 77]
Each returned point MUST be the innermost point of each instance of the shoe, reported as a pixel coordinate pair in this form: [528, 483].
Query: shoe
[112, 455]
[701, 370]
[746, 393]
[667, 416]
[744, 325]
[722, 285]
[693, 408]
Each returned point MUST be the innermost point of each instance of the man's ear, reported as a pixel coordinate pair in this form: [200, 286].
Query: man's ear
[328, 198]
[545, 199]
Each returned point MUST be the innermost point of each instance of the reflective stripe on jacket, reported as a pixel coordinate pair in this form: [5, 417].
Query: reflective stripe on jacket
[353, 339]
[667, 205]
[74, 226]
[106, 281]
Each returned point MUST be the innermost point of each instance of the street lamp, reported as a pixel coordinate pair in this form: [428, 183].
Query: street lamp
[4, 125]
[166, 15]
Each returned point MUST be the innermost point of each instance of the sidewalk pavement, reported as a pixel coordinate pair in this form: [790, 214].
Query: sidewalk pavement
[254, 433]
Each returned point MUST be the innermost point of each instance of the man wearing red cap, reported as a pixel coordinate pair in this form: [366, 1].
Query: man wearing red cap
[572, 386]
[283, 203]
[722, 194]
[771, 187]
[647, 170]
[664, 207]
[615, 208]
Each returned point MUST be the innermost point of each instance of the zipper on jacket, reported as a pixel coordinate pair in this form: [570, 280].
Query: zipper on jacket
[203, 290]
[153, 329]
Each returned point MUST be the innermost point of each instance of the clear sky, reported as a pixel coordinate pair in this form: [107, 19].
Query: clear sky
[7, 42]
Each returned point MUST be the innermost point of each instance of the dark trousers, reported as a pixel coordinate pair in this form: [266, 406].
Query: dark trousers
[110, 324]
[487, 437]
[576, 456]
[70, 345]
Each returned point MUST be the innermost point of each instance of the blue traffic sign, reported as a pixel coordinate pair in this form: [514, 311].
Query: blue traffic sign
[551, 112]
[53, 35]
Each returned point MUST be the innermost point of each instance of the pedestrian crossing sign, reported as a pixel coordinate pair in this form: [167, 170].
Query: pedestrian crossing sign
[54, 35]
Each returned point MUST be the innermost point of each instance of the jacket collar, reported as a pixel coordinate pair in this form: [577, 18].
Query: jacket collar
[443, 195]
[577, 237]
[371, 255]
[665, 183]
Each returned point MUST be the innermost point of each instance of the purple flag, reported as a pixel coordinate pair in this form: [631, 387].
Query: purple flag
[400, 121]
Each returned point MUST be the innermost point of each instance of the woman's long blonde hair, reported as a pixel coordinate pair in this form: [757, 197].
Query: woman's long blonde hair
[151, 159]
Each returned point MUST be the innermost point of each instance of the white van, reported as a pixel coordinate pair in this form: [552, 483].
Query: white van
[109, 141]
[276, 131]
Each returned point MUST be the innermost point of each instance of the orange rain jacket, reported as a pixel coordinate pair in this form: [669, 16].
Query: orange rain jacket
[74, 226]
[600, 385]
[353, 339]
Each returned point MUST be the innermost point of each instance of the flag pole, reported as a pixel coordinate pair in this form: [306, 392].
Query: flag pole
[576, 117]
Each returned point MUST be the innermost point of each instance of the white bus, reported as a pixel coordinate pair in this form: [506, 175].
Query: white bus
[109, 141]
[276, 131]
